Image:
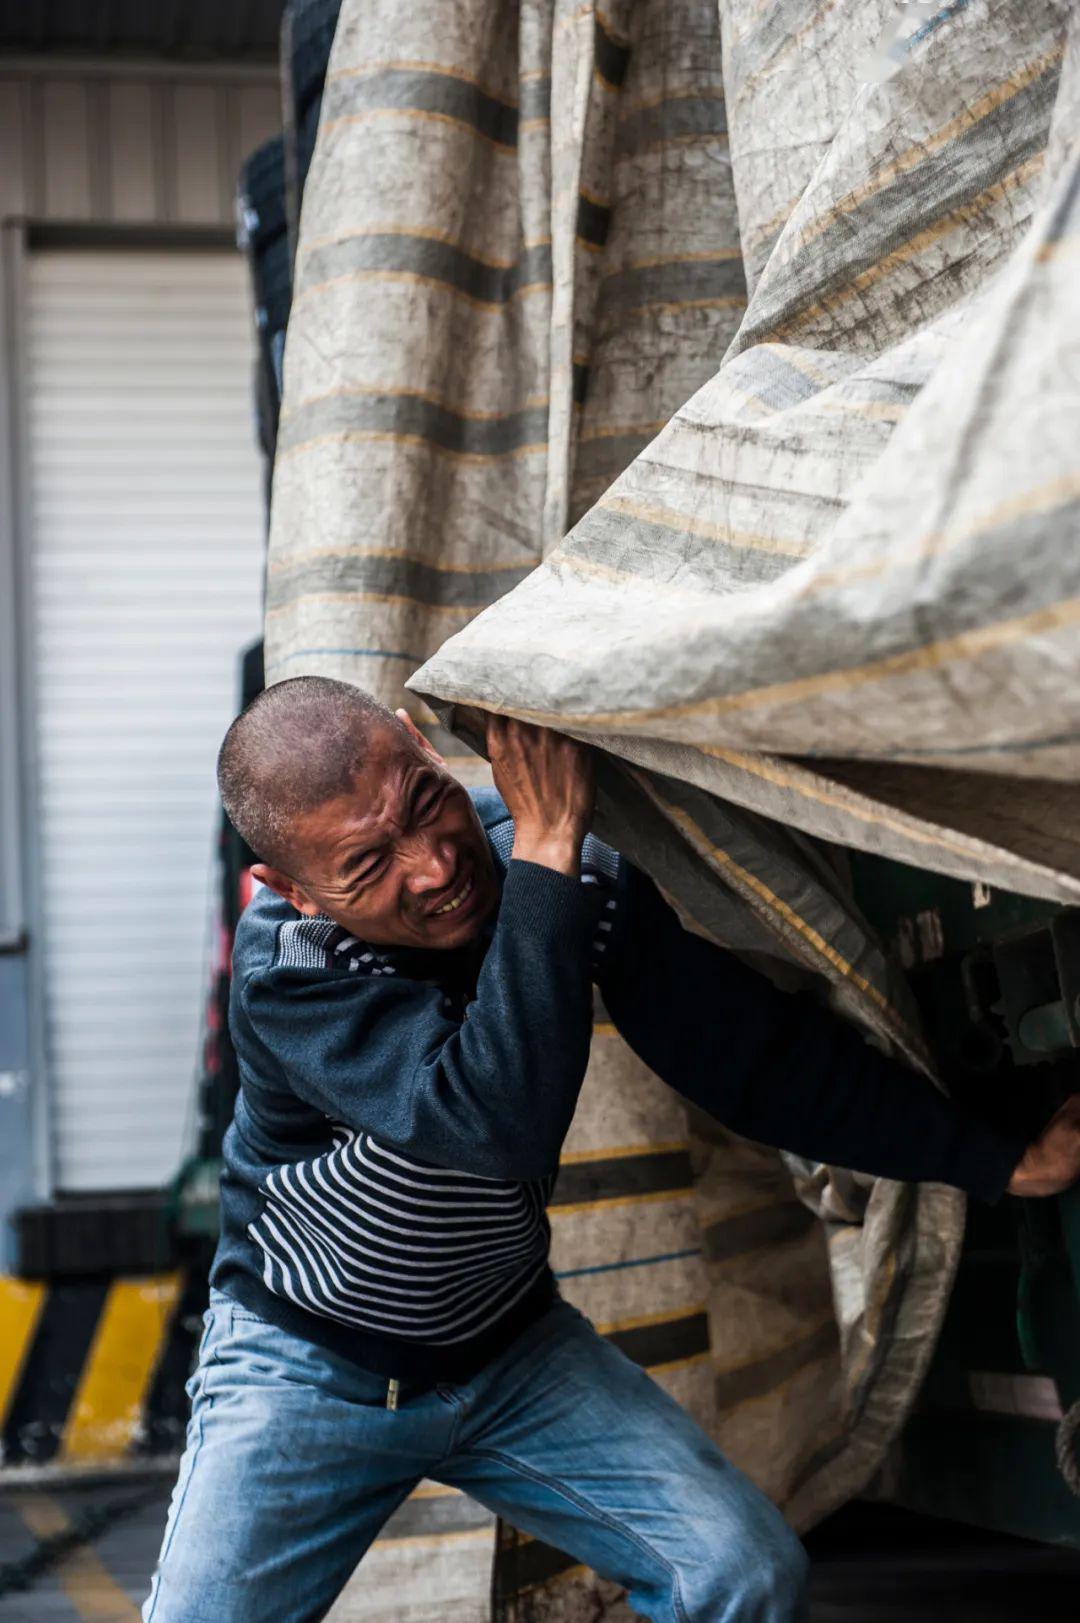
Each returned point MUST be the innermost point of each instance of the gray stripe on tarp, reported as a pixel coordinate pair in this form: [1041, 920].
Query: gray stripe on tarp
[420, 90]
[758, 1379]
[392, 251]
[775, 29]
[720, 278]
[675, 120]
[942, 183]
[593, 221]
[666, 555]
[418, 418]
[764, 374]
[749, 1231]
[394, 577]
[535, 98]
[664, 1343]
[652, 1172]
[606, 457]
[580, 382]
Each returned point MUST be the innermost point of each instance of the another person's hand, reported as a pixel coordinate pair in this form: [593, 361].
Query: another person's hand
[547, 781]
[1051, 1163]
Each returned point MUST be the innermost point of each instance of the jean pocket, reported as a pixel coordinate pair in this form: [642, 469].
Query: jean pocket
[230, 1311]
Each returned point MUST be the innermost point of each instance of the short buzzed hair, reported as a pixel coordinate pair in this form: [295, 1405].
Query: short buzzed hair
[297, 745]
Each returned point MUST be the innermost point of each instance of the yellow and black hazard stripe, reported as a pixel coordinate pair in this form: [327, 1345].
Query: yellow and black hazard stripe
[93, 1371]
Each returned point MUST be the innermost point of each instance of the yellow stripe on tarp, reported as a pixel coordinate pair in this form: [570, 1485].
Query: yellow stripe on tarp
[108, 1406]
[641, 1320]
[461, 1535]
[86, 1581]
[434, 1490]
[21, 1302]
[621, 1152]
[573, 1208]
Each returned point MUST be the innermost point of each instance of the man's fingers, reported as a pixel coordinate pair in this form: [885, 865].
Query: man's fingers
[1052, 1163]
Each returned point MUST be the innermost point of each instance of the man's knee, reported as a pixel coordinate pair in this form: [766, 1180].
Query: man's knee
[772, 1588]
[759, 1576]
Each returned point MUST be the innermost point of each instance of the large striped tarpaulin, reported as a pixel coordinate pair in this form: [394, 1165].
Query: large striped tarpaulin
[412, 487]
[725, 347]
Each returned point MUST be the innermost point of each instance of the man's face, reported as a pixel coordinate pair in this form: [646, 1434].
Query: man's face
[401, 860]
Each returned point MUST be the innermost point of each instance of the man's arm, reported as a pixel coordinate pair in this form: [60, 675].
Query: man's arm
[492, 1094]
[783, 1070]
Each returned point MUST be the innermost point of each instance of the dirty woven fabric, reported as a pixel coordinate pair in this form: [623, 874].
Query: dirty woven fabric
[769, 317]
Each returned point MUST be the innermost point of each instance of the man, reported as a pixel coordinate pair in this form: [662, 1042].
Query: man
[412, 1009]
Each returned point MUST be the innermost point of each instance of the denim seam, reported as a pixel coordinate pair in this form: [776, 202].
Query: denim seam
[167, 1546]
[595, 1511]
[449, 1397]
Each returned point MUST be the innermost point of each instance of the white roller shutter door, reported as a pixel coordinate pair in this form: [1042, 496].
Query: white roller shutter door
[146, 560]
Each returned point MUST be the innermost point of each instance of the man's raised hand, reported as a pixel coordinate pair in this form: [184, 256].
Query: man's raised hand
[547, 781]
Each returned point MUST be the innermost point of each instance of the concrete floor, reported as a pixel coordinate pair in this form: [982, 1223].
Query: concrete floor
[872, 1564]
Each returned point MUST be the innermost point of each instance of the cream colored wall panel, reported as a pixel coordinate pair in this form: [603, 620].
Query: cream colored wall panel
[131, 146]
[67, 147]
[146, 566]
[110, 146]
[198, 142]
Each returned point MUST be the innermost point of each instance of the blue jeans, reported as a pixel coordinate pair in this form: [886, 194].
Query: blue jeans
[294, 1463]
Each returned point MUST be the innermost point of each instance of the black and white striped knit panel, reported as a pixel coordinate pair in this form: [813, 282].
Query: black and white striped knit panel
[375, 1239]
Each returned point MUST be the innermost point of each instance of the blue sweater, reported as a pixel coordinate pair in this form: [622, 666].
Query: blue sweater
[401, 1113]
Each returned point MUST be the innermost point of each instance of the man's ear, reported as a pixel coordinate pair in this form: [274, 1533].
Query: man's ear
[425, 743]
[285, 887]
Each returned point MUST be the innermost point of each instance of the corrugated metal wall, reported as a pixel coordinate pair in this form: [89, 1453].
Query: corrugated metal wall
[146, 568]
[148, 147]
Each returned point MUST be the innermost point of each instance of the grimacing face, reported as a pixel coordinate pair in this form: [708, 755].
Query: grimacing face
[401, 860]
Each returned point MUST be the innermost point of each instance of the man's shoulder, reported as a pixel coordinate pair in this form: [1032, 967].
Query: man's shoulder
[278, 947]
[271, 935]
[255, 946]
